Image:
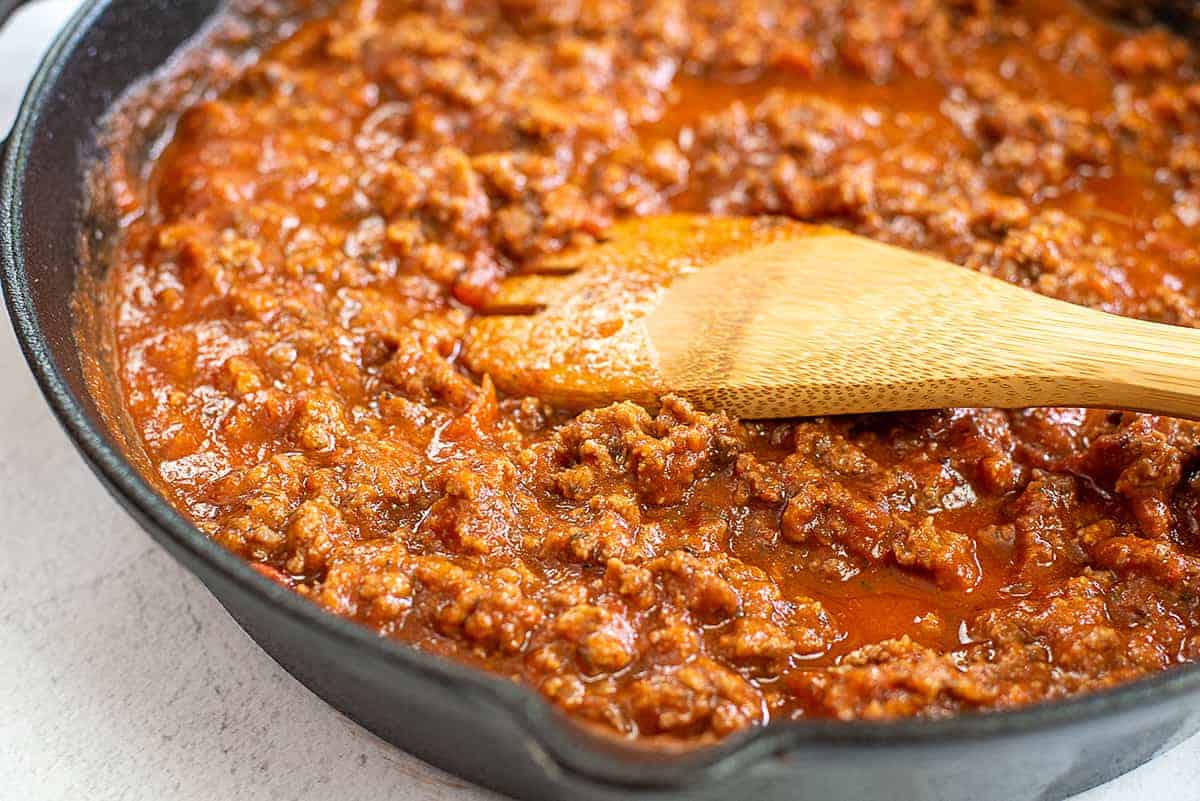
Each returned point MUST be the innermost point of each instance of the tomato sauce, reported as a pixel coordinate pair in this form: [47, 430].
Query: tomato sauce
[297, 268]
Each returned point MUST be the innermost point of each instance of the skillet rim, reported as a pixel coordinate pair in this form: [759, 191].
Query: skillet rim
[603, 760]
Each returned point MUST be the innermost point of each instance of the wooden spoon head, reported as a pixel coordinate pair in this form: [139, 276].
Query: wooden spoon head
[578, 340]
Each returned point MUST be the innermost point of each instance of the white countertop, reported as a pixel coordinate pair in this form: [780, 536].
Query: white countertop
[122, 678]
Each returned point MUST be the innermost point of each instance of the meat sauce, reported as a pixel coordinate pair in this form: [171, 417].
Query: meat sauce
[295, 274]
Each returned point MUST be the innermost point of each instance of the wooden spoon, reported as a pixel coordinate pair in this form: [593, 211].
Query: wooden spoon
[764, 317]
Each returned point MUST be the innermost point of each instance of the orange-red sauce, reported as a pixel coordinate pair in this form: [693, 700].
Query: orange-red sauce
[295, 277]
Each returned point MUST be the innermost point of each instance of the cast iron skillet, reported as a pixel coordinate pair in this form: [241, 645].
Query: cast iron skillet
[481, 727]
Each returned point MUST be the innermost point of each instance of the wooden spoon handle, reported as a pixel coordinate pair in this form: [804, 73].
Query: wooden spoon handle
[802, 339]
[1132, 364]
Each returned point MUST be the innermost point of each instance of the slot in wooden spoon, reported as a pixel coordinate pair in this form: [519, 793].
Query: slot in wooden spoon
[765, 318]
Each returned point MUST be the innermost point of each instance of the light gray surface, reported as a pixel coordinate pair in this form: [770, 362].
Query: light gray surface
[121, 678]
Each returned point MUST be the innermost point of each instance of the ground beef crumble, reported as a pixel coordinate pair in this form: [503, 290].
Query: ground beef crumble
[296, 274]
